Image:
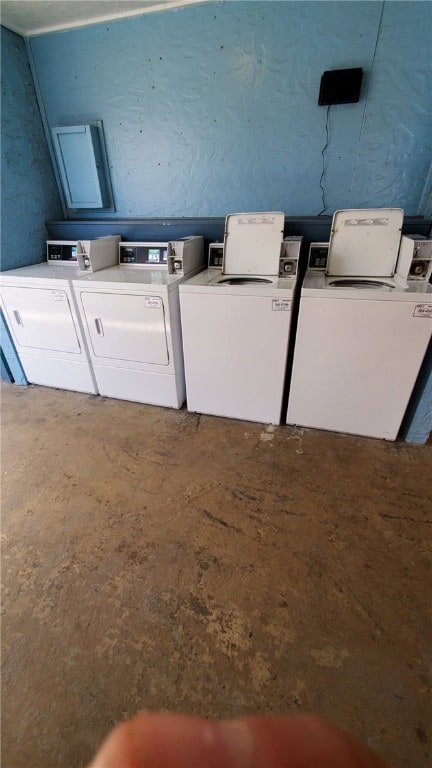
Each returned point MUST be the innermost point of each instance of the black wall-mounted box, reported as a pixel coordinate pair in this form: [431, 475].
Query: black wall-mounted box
[340, 86]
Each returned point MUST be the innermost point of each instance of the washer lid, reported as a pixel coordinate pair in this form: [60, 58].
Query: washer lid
[252, 243]
[365, 242]
[361, 283]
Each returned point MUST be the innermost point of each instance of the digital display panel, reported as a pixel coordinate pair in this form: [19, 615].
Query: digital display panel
[145, 254]
[62, 252]
[215, 255]
[318, 255]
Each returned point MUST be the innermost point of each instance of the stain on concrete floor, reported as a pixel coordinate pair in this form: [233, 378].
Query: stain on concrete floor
[154, 559]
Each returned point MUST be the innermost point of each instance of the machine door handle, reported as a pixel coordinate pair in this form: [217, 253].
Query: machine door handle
[99, 326]
[17, 317]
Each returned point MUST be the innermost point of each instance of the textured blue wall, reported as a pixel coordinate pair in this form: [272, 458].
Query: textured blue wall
[213, 108]
[29, 193]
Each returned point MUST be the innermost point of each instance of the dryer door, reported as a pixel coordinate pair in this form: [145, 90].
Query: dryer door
[41, 318]
[126, 327]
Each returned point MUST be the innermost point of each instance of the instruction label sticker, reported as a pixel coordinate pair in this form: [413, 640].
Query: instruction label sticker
[423, 310]
[281, 305]
[153, 302]
[256, 220]
[376, 222]
[59, 296]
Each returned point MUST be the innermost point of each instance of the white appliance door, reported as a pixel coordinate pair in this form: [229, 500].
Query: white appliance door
[41, 318]
[235, 350]
[365, 242]
[252, 243]
[126, 327]
[355, 364]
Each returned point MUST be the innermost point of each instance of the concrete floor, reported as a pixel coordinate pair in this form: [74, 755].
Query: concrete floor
[155, 559]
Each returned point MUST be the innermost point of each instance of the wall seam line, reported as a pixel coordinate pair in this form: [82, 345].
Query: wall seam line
[365, 106]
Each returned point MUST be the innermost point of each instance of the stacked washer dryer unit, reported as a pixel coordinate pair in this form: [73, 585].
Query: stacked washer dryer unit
[40, 309]
[131, 319]
[236, 323]
[363, 330]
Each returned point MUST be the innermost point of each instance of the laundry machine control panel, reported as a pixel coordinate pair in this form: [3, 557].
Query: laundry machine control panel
[148, 254]
[289, 256]
[421, 264]
[415, 258]
[86, 255]
[318, 253]
[186, 255]
[288, 261]
[178, 257]
[215, 256]
[61, 251]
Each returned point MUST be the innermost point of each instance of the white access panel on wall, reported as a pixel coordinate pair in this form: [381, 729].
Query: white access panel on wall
[126, 327]
[82, 165]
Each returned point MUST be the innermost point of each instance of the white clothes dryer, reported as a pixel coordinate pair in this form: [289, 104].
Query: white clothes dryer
[236, 324]
[362, 331]
[131, 319]
[40, 309]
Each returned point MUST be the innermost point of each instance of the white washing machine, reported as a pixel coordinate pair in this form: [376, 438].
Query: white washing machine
[131, 319]
[236, 324]
[40, 309]
[362, 331]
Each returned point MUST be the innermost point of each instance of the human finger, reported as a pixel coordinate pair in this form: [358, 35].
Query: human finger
[181, 741]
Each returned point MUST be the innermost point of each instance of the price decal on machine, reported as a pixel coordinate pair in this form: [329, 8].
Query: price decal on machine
[423, 310]
[256, 220]
[59, 296]
[281, 305]
[153, 302]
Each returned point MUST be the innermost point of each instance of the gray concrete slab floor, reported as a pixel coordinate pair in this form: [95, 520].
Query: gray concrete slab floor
[156, 559]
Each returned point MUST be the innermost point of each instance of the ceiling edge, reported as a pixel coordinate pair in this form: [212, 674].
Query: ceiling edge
[103, 18]
[14, 28]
